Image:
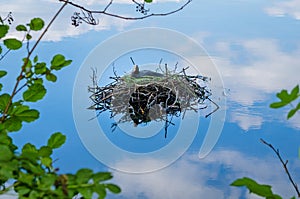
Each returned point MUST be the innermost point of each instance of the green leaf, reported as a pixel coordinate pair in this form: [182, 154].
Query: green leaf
[4, 139]
[12, 44]
[59, 61]
[102, 176]
[295, 92]
[2, 73]
[148, 1]
[34, 195]
[34, 93]
[51, 77]
[254, 187]
[293, 111]
[27, 64]
[21, 28]
[38, 81]
[4, 100]
[19, 108]
[29, 163]
[40, 68]
[26, 178]
[0, 50]
[3, 30]
[113, 188]
[71, 179]
[275, 196]
[100, 190]
[6, 153]
[47, 161]
[83, 176]
[278, 104]
[28, 115]
[35, 59]
[8, 168]
[22, 190]
[47, 180]
[283, 95]
[86, 192]
[56, 140]
[29, 148]
[45, 151]
[28, 36]
[36, 24]
[12, 124]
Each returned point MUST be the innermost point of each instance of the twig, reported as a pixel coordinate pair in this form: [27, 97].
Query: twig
[217, 107]
[108, 5]
[284, 164]
[104, 12]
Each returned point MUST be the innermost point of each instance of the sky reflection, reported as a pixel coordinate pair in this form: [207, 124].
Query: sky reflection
[255, 46]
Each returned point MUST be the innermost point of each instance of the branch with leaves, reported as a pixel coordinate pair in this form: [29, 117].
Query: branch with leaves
[29, 172]
[31, 169]
[286, 98]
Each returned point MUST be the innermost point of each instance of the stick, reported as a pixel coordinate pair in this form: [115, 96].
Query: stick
[284, 164]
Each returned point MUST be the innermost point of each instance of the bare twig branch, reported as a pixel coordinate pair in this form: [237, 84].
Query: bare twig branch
[104, 12]
[284, 164]
[108, 5]
[217, 107]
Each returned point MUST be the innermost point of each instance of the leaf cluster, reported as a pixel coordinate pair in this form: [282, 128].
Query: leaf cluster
[287, 98]
[35, 24]
[256, 188]
[30, 168]
[265, 191]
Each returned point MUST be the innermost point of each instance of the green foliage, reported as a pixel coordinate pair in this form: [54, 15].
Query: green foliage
[265, 190]
[286, 99]
[148, 1]
[21, 27]
[2, 73]
[255, 188]
[56, 140]
[3, 30]
[31, 168]
[25, 114]
[36, 24]
[59, 61]
[12, 44]
[34, 93]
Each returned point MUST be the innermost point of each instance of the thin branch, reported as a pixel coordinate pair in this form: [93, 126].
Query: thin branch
[217, 107]
[284, 164]
[109, 4]
[104, 12]
[4, 55]
[20, 77]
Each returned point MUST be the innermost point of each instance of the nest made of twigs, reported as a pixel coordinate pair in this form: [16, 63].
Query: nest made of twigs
[150, 98]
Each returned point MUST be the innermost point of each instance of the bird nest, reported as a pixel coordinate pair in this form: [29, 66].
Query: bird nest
[151, 98]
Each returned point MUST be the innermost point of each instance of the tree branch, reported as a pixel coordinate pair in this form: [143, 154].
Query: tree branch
[284, 164]
[20, 77]
[104, 12]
